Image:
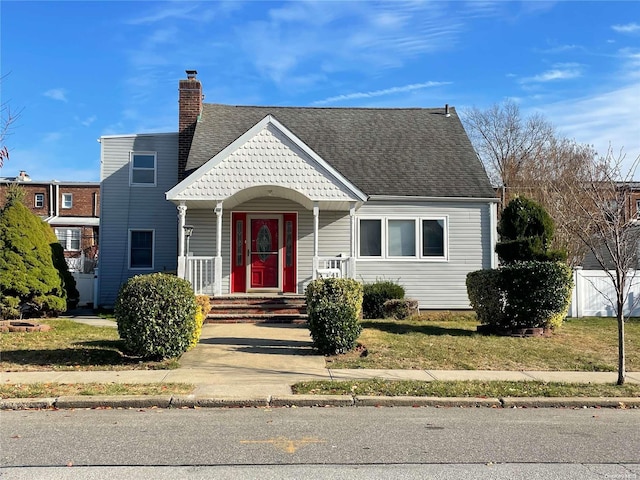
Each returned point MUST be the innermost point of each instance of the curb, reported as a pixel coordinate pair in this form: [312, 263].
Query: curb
[193, 401]
[571, 402]
[375, 401]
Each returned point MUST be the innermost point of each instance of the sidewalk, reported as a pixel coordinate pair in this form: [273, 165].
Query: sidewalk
[247, 364]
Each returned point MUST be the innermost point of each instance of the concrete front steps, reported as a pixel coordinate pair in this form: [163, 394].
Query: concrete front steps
[254, 308]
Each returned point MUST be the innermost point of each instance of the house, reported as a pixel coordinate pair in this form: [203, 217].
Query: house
[248, 200]
[71, 208]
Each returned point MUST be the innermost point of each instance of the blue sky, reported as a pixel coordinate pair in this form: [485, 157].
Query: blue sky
[79, 70]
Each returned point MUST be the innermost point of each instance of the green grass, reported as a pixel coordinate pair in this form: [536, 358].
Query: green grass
[70, 346]
[493, 389]
[43, 390]
[449, 341]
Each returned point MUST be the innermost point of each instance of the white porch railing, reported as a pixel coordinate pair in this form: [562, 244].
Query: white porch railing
[200, 272]
[334, 267]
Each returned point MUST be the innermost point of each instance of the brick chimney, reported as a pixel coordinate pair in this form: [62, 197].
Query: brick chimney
[190, 108]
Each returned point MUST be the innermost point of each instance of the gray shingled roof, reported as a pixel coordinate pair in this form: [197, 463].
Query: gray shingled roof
[404, 151]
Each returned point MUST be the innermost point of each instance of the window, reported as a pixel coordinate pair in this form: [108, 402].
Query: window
[69, 238]
[143, 168]
[403, 238]
[39, 200]
[141, 249]
[433, 238]
[67, 200]
[370, 238]
[637, 208]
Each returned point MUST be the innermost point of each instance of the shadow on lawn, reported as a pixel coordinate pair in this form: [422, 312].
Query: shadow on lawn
[97, 353]
[400, 328]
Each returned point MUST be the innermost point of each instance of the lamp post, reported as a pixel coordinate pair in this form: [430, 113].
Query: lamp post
[188, 231]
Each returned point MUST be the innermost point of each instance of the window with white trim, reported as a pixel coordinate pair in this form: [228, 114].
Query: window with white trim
[370, 237]
[403, 238]
[637, 208]
[69, 238]
[433, 238]
[38, 200]
[142, 169]
[67, 200]
[141, 249]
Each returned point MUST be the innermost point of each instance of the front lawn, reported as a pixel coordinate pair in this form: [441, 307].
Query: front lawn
[449, 341]
[482, 389]
[70, 346]
[36, 390]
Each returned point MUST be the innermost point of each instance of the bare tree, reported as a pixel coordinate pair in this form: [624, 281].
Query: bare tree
[7, 119]
[601, 223]
[505, 141]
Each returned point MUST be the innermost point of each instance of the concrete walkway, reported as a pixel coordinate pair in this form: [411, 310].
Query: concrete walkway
[247, 360]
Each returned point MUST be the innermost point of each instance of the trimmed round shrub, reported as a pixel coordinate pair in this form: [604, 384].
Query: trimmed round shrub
[334, 306]
[521, 295]
[538, 294]
[375, 294]
[156, 315]
[400, 308]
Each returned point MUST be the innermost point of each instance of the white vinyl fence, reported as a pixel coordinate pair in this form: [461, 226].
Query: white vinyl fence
[594, 295]
[86, 285]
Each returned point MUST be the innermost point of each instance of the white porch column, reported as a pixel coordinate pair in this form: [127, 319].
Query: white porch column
[352, 252]
[316, 218]
[182, 215]
[218, 261]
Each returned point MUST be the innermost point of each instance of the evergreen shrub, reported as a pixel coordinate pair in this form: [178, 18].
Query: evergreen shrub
[203, 307]
[538, 294]
[526, 232]
[334, 306]
[400, 308]
[156, 315]
[30, 284]
[375, 294]
[521, 295]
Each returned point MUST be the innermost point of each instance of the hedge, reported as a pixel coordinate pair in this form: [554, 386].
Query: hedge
[521, 295]
[334, 306]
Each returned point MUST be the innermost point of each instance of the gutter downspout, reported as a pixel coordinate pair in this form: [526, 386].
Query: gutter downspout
[51, 200]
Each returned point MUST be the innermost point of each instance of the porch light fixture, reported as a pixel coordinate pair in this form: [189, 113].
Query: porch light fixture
[188, 231]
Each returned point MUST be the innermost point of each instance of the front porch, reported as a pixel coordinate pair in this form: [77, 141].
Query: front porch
[265, 215]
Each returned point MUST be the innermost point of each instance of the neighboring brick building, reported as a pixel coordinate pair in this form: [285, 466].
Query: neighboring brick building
[71, 208]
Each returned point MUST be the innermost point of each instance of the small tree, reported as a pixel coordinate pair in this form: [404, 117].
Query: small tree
[28, 279]
[602, 223]
[526, 233]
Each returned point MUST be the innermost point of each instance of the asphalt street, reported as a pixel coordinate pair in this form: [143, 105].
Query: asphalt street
[364, 442]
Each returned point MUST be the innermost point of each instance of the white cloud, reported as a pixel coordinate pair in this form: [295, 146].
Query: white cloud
[611, 118]
[380, 93]
[627, 28]
[52, 137]
[560, 72]
[88, 121]
[57, 94]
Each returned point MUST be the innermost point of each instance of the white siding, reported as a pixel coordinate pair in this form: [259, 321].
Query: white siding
[435, 284]
[124, 208]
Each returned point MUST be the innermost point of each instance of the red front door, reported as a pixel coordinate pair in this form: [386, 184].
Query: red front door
[264, 253]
